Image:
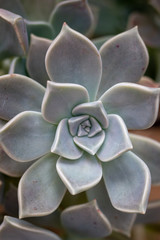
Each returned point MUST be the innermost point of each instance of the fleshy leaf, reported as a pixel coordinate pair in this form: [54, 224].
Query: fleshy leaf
[13, 38]
[151, 216]
[95, 127]
[40, 9]
[149, 151]
[81, 132]
[27, 136]
[76, 13]
[124, 58]
[148, 29]
[40, 29]
[90, 144]
[128, 181]
[116, 141]
[63, 144]
[40, 189]
[86, 220]
[72, 58]
[81, 174]
[11, 167]
[137, 105]
[95, 109]
[120, 221]
[60, 99]
[18, 66]
[15, 229]
[110, 16]
[36, 59]
[74, 123]
[19, 93]
[13, 6]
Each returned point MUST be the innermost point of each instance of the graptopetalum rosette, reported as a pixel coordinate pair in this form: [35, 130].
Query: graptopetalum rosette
[76, 129]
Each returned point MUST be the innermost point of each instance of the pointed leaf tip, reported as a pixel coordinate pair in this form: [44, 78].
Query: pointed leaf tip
[128, 183]
[142, 106]
[65, 27]
[71, 12]
[35, 199]
[73, 58]
[124, 59]
[147, 149]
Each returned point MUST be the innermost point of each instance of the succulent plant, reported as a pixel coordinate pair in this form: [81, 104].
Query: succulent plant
[148, 21]
[148, 150]
[77, 129]
[8, 166]
[152, 214]
[86, 109]
[13, 228]
[43, 19]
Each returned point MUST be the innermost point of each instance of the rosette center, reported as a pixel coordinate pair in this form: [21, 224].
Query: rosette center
[84, 126]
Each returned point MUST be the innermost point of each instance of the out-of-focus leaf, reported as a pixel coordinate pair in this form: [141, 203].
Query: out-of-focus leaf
[13, 37]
